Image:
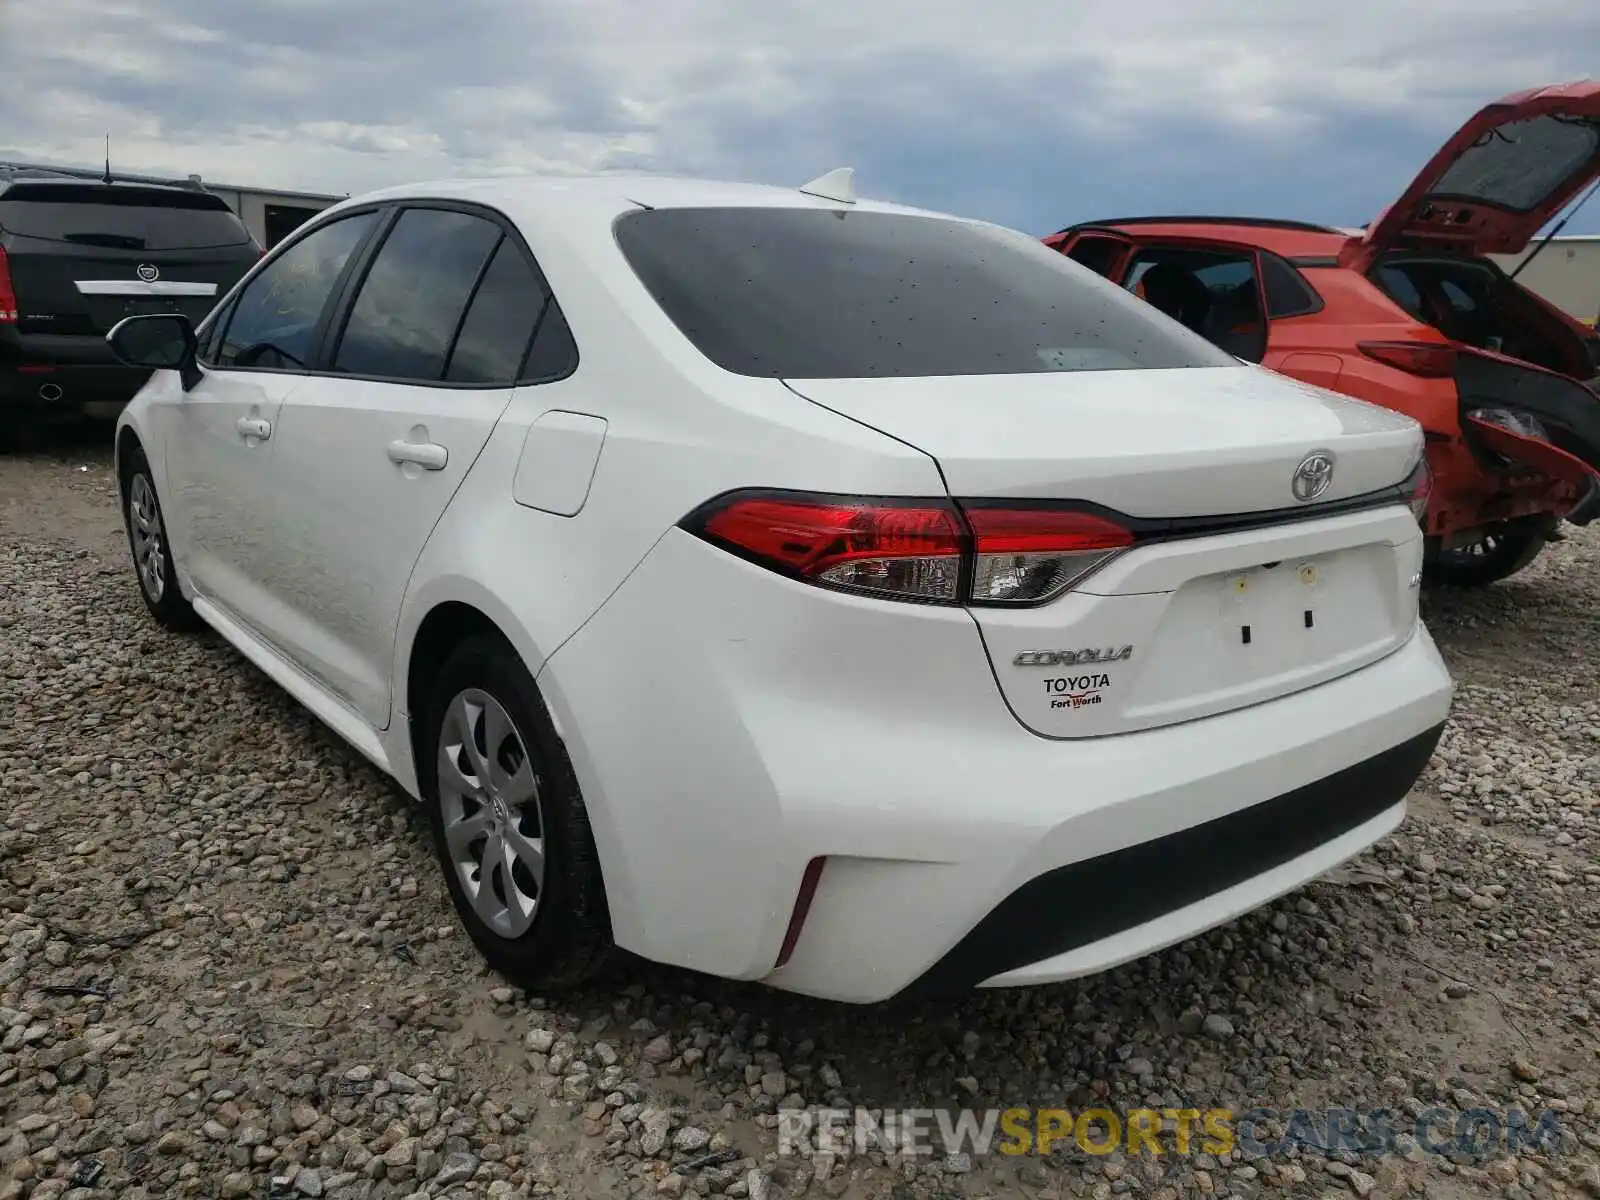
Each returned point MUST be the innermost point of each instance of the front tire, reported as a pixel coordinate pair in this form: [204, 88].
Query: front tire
[148, 544]
[1496, 554]
[509, 824]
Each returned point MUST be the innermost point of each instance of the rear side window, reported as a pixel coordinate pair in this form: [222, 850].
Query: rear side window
[554, 353]
[1097, 253]
[1213, 292]
[411, 303]
[821, 294]
[1399, 288]
[121, 218]
[500, 322]
[1288, 294]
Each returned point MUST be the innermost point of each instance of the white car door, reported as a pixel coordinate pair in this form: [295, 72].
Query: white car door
[433, 342]
[219, 435]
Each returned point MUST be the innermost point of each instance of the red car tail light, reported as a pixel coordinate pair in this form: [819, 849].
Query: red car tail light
[1430, 360]
[1024, 555]
[921, 550]
[8, 294]
[910, 551]
[1418, 488]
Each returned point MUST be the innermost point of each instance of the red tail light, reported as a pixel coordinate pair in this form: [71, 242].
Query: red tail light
[923, 550]
[1027, 555]
[1419, 491]
[910, 551]
[8, 294]
[1428, 359]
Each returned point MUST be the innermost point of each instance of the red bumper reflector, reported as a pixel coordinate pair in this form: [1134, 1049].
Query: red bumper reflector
[802, 906]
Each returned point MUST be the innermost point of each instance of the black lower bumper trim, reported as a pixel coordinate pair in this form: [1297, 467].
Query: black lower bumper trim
[1084, 902]
[65, 395]
[1587, 509]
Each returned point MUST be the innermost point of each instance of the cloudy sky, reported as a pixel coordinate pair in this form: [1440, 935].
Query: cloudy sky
[1035, 113]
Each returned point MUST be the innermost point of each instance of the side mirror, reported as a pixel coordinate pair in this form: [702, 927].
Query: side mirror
[158, 342]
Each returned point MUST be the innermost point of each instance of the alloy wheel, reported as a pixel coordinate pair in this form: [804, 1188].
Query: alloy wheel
[489, 799]
[149, 538]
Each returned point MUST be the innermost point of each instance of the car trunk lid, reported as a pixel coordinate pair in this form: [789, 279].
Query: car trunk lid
[1236, 589]
[1191, 443]
[1498, 180]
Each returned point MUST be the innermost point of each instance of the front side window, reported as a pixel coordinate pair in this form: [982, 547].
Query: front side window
[208, 336]
[805, 293]
[411, 303]
[276, 316]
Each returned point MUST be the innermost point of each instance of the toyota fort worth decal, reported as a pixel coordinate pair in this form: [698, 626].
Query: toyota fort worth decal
[1074, 691]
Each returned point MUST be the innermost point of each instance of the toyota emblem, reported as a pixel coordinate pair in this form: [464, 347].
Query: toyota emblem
[148, 272]
[1313, 476]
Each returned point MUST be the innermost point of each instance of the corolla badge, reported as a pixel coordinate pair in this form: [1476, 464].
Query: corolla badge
[1072, 658]
[1313, 476]
[148, 272]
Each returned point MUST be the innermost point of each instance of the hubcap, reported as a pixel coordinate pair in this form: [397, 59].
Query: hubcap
[149, 538]
[493, 820]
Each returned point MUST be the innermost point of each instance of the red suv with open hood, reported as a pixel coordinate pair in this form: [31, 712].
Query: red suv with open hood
[1413, 314]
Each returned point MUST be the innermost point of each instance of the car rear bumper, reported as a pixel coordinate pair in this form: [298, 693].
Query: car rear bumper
[729, 727]
[65, 376]
[1206, 873]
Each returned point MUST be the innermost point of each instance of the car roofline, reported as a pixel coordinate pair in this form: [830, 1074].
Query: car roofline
[1247, 222]
[14, 172]
[632, 192]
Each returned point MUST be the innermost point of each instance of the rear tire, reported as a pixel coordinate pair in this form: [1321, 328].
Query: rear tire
[1497, 554]
[509, 824]
[151, 551]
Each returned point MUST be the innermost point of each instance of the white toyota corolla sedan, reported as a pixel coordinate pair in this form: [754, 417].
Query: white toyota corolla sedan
[789, 587]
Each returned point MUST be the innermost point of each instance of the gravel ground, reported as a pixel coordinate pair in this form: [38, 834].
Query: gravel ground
[228, 968]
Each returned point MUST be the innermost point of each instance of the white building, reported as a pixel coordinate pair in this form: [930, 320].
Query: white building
[1566, 273]
[268, 214]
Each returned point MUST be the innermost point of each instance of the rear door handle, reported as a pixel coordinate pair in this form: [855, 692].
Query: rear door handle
[254, 427]
[430, 456]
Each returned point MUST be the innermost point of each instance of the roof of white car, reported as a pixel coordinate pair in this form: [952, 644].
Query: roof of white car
[620, 192]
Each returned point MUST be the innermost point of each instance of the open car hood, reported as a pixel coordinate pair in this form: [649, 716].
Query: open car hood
[1498, 181]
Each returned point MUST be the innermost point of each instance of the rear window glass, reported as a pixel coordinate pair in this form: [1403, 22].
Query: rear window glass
[120, 218]
[821, 294]
[1518, 164]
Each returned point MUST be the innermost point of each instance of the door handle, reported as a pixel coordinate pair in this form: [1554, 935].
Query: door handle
[255, 427]
[430, 456]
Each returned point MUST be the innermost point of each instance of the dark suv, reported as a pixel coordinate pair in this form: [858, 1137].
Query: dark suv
[76, 256]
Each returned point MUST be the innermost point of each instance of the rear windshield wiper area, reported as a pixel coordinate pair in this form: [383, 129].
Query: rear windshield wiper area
[113, 241]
